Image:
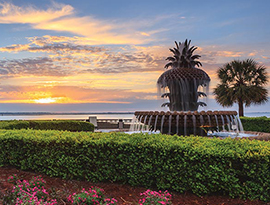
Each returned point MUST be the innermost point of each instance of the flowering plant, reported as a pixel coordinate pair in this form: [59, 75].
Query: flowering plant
[12, 178]
[154, 197]
[91, 197]
[30, 192]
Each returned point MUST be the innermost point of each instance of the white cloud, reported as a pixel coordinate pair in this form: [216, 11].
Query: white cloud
[10, 13]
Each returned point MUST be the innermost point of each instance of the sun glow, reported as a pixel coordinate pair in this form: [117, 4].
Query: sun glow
[47, 100]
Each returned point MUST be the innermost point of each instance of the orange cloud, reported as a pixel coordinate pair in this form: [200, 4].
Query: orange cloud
[80, 88]
[15, 48]
[67, 94]
[229, 53]
[62, 17]
[145, 34]
[252, 54]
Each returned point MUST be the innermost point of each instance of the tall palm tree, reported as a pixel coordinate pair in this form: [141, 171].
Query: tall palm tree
[242, 82]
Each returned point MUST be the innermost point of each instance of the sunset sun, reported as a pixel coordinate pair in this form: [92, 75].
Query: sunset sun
[45, 100]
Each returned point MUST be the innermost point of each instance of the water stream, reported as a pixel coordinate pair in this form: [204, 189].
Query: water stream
[171, 124]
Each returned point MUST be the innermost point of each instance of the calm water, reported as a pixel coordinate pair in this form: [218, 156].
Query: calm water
[99, 116]
[72, 117]
[257, 114]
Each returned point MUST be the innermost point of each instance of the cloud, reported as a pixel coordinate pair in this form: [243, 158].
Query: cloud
[229, 54]
[10, 13]
[60, 48]
[252, 53]
[66, 57]
[62, 18]
[69, 56]
[41, 66]
[68, 94]
[15, 48]
[47, 39]
[218, 54]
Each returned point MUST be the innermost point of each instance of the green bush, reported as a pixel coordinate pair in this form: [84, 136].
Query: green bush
[256, 124]
[14, 124]
[69, 125]
[238, 168]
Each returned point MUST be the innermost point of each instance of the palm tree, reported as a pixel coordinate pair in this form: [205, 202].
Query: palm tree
[242, 82]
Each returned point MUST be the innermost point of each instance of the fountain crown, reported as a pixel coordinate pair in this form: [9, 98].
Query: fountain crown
[183, 56]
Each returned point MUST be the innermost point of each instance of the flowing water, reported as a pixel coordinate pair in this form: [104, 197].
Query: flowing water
[150, 120]
[229, 123]
[194, 123]
[166, 121]
[162, 122]
[223, 123]
[144, 124]
[185, 125]
[170, 124]
[177, 124]
[155, 127]
[217, 122]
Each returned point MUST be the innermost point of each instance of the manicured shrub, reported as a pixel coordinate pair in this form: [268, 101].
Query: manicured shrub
[14, 124]
[256, 124]
[238, 168]
[69, 125]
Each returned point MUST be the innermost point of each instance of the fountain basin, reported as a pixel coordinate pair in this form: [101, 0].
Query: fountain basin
[187, 123]
[230, 134]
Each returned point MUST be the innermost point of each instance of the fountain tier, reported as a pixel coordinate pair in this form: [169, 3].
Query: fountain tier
[183, 84]
[186, 123]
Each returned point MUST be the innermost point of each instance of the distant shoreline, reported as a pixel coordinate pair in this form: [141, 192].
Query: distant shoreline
[62, 113]
[86, 113]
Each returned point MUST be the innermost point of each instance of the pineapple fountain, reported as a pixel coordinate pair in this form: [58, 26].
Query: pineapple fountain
[183, 83]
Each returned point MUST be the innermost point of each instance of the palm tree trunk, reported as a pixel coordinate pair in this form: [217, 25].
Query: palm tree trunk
[241, 108]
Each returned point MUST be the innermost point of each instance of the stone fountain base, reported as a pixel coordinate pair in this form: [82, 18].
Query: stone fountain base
[188, 123]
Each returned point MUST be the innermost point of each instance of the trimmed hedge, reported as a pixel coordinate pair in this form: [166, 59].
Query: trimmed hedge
[201, 165]
[256, 124]
[69, 125]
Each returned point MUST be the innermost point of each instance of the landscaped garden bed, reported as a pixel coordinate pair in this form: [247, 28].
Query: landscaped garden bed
[203, 166]
[60, 190]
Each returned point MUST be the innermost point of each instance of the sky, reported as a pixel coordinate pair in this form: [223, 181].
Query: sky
[106, 55]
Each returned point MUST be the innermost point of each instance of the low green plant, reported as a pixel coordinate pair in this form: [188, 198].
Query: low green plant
[154, 197]
[256, 124]
[92, 196]
[68, 125]
[14, 124]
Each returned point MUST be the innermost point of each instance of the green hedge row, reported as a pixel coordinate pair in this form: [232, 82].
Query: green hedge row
[201, 165]
[256, 124]
[69, 125]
